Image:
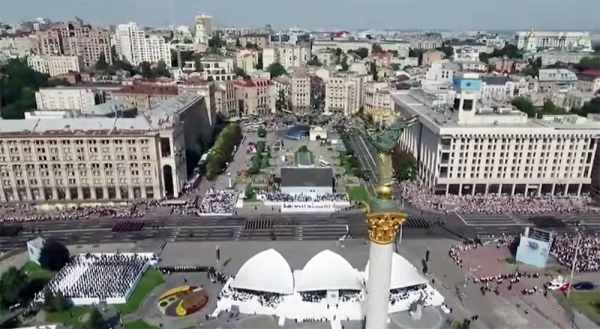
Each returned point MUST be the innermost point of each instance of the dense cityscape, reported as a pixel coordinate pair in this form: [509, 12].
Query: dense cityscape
[202, 175]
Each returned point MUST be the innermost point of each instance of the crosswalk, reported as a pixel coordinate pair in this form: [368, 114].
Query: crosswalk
[258, 224]
[492, 220]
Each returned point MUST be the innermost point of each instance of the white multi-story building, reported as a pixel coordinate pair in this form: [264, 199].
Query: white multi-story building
[286, 55]
[296, 90]
[497, 89]
[570, 41]
[343, 92]
[555, 80]
[376, 95]
[469, 51]
[442, 71]
[219, 68]
[68, 98]
[133, 45]
[465, 149]
[225, 99]
[55, 65]
[204, 28]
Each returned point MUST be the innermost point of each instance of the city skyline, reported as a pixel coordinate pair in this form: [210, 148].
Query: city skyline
[394, 15]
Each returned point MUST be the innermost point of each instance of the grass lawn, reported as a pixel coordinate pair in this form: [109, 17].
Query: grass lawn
[34, 271]
[65, 317]
[358, 193]
[587, 302]
[139, 324]
[149, 281]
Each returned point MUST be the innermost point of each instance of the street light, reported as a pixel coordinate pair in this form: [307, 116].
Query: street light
[574, 263]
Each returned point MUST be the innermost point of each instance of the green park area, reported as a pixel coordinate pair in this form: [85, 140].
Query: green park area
[36, 272]
[358, 194]
[585, 301]
[350, 164]
[150, 280]
[261, 159]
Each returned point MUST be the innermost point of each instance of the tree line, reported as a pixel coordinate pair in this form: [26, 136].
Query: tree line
[222, 152]
[549, 108]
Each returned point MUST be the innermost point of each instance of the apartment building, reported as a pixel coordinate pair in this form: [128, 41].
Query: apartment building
[555, 80]
[18, 46]
[225, 99]
[255, 97]
[553, 57]
[286, 55]
[132, 44]
[569, 41]
[246, 59]
[497, 89]
[55, 65]
[261, 41]
[74, 39]
[442, 71]
[297, 90]
[473, 66]
[218, 68]
[343, 92]
[400, 46]
[463, 148]
[325, 56]
[589, 81]
[524, 85]
[62, 98]
[145, 96]
[507, 65]
[427, 41]
[376, 95]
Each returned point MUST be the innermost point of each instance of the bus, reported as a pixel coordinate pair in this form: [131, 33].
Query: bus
[324, 163]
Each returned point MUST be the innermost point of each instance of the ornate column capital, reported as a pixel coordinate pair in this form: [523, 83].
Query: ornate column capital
[384, 226]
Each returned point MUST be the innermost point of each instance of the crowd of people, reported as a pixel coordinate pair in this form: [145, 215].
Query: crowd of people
[99, 276]
[350, 295]
[400, 294]
[218, 202]
[421, 197]
[585, 252]
[305, 198]
[264, 298]
[29, 213]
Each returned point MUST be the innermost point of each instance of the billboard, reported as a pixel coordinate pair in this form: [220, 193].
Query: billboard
[533, 252]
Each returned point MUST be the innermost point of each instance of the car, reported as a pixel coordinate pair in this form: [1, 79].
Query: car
[585, 285]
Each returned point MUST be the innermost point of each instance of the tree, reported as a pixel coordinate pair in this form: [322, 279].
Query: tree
[249, 191]
[303, 148]
[592, 62]
[161, 70]
[524, 105]
[54, 255]
[12, 284]
[484, 57]
[60, 303]
[361, 52]
[95, 320]
[276, 69]
[48, 300]
[550, 108]
[18, 84]
[344, 64]
[216, 42]
[373, 70]
[314, 62]
[509, 51]
[145, 70]
[447, 50]
[101, 64]
[376, 48]
[240, 72]
[592, 106]
[338, 53]
[405, 165]
[259, 61]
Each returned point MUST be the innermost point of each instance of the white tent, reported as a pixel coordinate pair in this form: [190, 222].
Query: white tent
[404, 274]
[267, 271]
[327, 271]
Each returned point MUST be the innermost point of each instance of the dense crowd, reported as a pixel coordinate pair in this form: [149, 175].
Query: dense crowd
[587, 254]
[218, 202]
[350, 295]
[98, 276]
[264, 298]
[313, 296]
[422, 197]
[400, 294]
[294, 198]
[28, 213]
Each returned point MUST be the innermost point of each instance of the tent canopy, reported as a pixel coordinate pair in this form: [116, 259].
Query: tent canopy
[404, 274]
[267, 271]
[328, 271]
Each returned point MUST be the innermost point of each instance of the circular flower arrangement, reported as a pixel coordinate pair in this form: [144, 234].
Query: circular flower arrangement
[183, 300]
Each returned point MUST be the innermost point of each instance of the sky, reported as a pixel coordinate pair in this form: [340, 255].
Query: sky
[460, 15]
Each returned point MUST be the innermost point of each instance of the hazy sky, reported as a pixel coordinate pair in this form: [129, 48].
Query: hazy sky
[342, 14]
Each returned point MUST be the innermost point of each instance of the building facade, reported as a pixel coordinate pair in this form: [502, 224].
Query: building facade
[225, 99]
[570, 41]
[343, 92]
[145, 97]
[81, 99]
[427, 41]
[55, 65]
[286, 55]
[261, 41]
[132, 44]
[589, 81]
[246, 59]
[75, 39]
[204, 29]
[296, 89]
[432, 56]
[255, 97]
[467, 149]
[376, 96]
[555, 80]
[219, 68]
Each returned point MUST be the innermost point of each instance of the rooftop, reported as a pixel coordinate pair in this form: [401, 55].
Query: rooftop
[74, 126]
[549, 75]
[109, 107]
[492, 80]
[170, 108]
[253, 83]
[292, 177]
[147, 89]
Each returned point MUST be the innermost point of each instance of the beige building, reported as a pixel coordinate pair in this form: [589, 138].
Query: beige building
[225, 99]
[400, 46]
[246, 59]
[255, 97]
[431, 57]
[376, 95]
[589, 81]
[286, 55]
[55, 65]
[217, 67]
[74, 39]
[260, 40]
[343, 92]
[63, 98]
[325, 56]
[145, 97]
[427, 41]
[296, 89]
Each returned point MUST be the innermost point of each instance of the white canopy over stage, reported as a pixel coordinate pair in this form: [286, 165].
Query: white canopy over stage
[404, 274]
[327, 271]
[267, 271]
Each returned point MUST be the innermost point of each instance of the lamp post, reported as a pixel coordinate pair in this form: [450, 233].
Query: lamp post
[573, 264]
